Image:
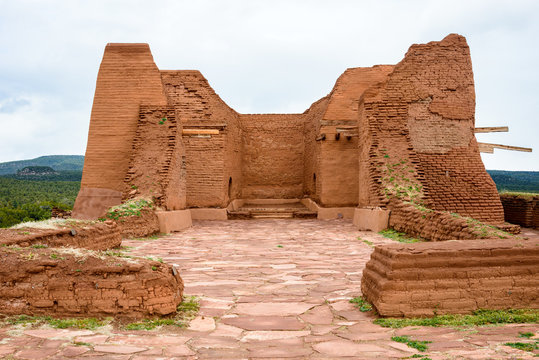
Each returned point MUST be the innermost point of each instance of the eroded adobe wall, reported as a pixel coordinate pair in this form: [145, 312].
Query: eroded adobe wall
[137, 226]
[92, 236]
[452, 277]
[338, 158]
[521, 210]
[211, 159]
[157, 168]
[273, 149]
[127, 78]
[311, 153]
[436, 225]
[75, 282]
[420, 128]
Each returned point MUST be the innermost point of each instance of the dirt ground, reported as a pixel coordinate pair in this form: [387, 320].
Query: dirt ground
[267, 289]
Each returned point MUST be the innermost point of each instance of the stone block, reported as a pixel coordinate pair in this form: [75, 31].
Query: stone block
[371, 219]
[176, 220]
[208, 214]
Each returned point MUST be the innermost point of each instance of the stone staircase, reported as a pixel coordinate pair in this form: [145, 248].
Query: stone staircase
[288, 210]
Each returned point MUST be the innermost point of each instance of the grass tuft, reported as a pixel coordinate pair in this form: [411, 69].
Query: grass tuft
[78, 323]
[362, 304]
[416, 344]
[400, 237]
[524, 346]
[478, 318]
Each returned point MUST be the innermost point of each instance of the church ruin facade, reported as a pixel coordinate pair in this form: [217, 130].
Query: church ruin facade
[403, 131]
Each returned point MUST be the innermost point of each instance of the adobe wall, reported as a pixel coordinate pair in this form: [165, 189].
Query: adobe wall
[127, 78]
[92, 236]
[338, 158]
[421, 142]
[75, 282]
[452, 277]
[134, 226]
[436, 225]
[273, 151]
[210, 159]
[521, 210]
[311, 153]
[157, 167]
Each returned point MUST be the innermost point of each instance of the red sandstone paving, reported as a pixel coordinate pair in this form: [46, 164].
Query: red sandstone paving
[262, 301]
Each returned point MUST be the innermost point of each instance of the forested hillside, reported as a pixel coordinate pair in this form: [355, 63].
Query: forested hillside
[524, 181]
[25, 200]
[57, 162]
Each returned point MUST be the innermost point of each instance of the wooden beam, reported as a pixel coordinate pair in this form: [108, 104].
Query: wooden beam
[491, 129]
[489, 148]
[346, 129]
[200, 132]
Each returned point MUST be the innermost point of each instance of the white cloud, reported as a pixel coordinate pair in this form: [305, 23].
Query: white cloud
[260, 56]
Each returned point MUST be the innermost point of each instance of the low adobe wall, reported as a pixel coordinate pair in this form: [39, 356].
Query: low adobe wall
[139, 226]
[521, 210]
[451, 277]
[93, 236]
[76, 282]
[440, 225]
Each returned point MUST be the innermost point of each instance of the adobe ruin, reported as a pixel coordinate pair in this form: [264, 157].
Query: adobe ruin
[402, 131]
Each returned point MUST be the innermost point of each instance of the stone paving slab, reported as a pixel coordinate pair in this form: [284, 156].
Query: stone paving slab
[268, 289]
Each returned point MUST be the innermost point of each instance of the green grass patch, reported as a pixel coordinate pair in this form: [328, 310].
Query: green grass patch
[478, 318]
[78, 323]
[150, 324]
[416, 344]
[129, 208]
[526, 335]
[39, 246]
[362, 304]
[400, 237]
[369, 243]
[524, 346]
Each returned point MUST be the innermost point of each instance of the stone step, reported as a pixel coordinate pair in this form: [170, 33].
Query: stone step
[272, 215]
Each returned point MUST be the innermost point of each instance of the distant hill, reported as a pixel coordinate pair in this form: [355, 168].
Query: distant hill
[36, 171]
[57, 162]
[524, 181]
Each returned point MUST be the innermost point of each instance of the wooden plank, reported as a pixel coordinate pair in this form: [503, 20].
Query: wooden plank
[489, 146]
[491, 129]
[346, 129]
[200, 132]
[485, 148]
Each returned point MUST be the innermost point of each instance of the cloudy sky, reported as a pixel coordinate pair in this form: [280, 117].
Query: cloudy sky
[260, 57]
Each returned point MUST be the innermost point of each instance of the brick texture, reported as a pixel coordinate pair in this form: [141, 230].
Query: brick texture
[127, 78]
[273, 150]
[98, 236]
[387, 131]
[211, 160]
[521, 210]
[418, 130]
[452, 277]
[83, 283]
[157, 168]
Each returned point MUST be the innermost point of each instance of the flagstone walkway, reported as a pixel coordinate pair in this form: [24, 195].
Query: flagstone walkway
[268, 289]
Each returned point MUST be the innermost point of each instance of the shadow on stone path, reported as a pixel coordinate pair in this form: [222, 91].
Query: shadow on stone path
[267, 289]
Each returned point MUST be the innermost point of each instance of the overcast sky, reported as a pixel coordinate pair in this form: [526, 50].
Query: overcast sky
[259, 56]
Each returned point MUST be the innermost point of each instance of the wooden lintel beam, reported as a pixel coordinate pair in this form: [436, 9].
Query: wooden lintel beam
[346, 129]
[491, 129]
[200, 132]
[489, 148]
